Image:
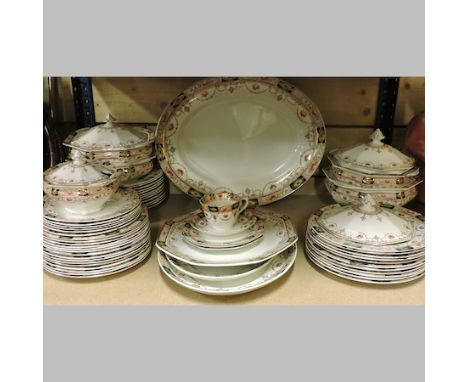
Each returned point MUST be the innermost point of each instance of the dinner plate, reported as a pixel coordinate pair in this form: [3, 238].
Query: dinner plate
[278, 235]
[276, 268]
[217, 273]
[258, 137]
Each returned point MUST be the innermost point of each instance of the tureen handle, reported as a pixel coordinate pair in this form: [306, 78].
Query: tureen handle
[77, 158]
[368, 206]
[109, 120]
[376, 138]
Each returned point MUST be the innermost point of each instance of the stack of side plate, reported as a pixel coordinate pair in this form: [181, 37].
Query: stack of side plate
[260, 249]
[383, 246]
[152, 188]
[111, 240]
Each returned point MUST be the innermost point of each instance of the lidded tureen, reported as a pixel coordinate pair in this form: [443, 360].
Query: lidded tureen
[80, 187]
[126, 149]
[375, 168]
[374, 157]
[366, 223]
[110, 136]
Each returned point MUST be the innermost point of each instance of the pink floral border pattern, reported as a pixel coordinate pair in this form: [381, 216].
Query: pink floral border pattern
[204, 90]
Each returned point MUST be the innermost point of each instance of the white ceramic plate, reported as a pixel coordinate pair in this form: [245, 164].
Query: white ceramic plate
[276, 268]
[354, 277]
[278, 235]
[107, 272]
[155, 176]
[268, 138]
[217, 273]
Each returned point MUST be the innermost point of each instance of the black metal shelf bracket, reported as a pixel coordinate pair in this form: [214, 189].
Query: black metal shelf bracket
[84, 104]
[386, 106]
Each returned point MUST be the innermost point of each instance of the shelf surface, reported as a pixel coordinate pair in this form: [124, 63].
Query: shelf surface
[304, 284]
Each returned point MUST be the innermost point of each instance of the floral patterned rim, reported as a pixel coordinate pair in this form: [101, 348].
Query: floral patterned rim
[73, 265]
[362, 255]
[172, 230]
[363, 182]
[352, 277]
[205, 90]
[345, 195]
[279, 266]
[193, 271]
[367, 263]
[253, 233]
[383, 275]
[91, 274]
[411, 173]
[246, 219]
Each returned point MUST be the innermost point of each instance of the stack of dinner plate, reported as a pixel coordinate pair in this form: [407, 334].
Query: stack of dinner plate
[91, 228]
[112, 240]
[257, 250]
[372, 168]
[366, 242]
[152, 188]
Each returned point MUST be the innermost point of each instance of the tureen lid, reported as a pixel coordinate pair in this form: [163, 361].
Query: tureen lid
[109, 137]
[366, 223]
[75, 173]
[374, 156]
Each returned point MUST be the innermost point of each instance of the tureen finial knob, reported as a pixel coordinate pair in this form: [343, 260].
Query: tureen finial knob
[368, 205]
[77, 157]
[376, 138]
[110, 120]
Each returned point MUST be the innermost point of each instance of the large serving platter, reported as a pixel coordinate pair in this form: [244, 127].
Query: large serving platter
[257, 137]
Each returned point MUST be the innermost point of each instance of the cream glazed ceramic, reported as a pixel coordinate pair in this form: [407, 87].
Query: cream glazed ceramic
[374, 157]
[346, 195]
[222, 210]
[209, 241]
[217, 273]
[353, 180]
[110, 136]
[246, 219]
[367, 243]
[79, 187]
[366, 223]
[266, 136]
[278, 235]
[276, 268]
